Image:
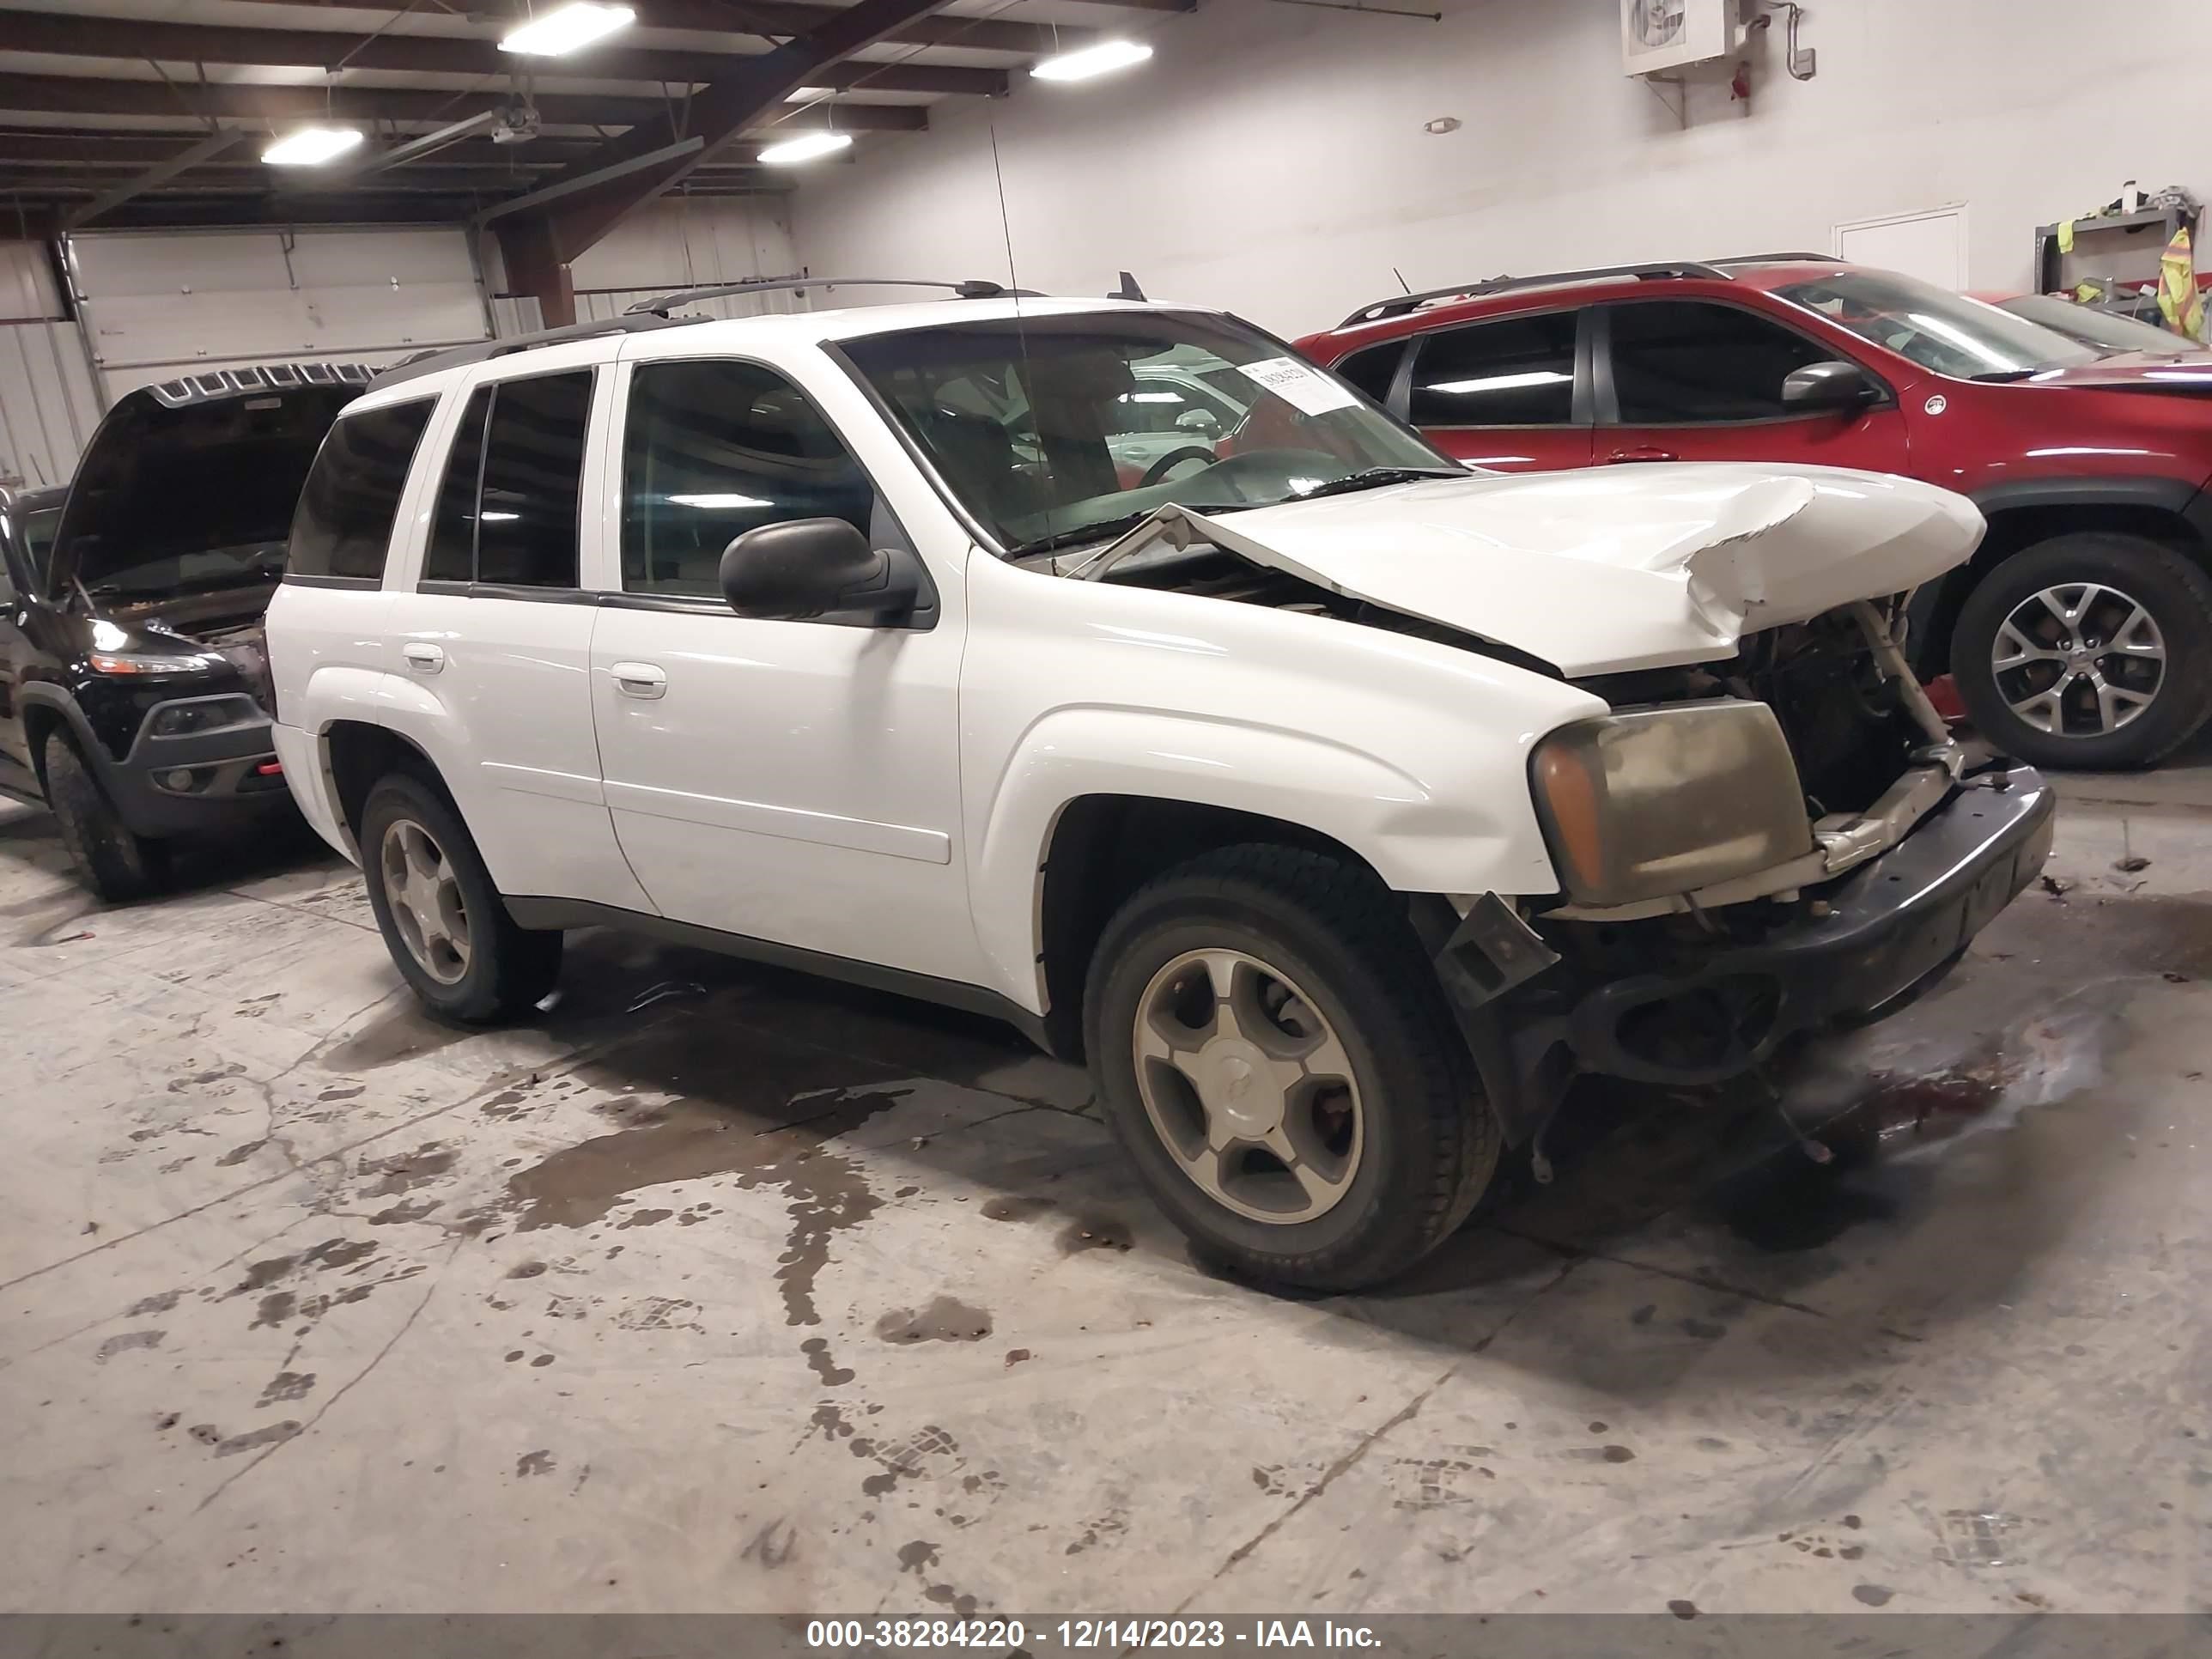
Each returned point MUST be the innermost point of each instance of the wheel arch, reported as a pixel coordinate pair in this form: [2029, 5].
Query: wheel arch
[2025, 511]
[356, 753]
[1104, 847]
[47, 709]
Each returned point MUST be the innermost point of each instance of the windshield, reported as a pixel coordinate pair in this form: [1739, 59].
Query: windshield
[2099, 328]
[38, 533]
[1936, 329]
[1052, 430]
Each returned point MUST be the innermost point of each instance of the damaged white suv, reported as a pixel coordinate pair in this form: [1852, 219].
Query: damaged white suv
[1339, 805]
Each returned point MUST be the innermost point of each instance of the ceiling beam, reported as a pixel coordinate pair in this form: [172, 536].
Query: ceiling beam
[137, 39]
[745, 93]
[787, 18]
[80, 94]
[153, 177]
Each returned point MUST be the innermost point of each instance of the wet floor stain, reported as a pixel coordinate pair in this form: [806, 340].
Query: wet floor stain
[943, 1319]
[818, 1360]
[124, 1343]
[403, 1172]
[275, 1435]
[1008, 1207]
[1872, 1595]
[287, 1385]
[534, 1462]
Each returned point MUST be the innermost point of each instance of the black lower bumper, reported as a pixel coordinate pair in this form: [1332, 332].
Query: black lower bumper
[1891, 926]
[1871, 941]
[201, 784]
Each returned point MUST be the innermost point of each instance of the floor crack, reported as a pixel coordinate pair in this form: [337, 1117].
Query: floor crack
[1367, 1442]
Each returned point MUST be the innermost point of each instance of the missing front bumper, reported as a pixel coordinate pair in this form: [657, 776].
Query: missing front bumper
[1889, 927]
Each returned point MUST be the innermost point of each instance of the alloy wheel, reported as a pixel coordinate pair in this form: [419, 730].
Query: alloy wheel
[1248, 1086]
[2078, 660]
[425, 897]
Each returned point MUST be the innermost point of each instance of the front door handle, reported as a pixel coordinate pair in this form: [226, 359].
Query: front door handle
[423, 656]
[1643, 452]
[640, 679]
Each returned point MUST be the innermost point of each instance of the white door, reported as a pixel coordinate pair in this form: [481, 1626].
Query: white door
[791, 781]
[494, 642]
[1931, 246]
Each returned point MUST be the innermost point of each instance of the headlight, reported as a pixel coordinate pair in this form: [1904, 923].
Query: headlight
[1652, 801]
[147, 662]
[185, 719]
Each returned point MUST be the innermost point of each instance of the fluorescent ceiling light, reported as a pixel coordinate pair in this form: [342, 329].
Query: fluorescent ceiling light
[808, 95]
[567, 28]
[1101, 59]
[805, 149]
[310, 147]
[718, 501]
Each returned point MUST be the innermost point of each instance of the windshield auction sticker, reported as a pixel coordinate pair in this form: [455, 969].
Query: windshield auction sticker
[1304, 388]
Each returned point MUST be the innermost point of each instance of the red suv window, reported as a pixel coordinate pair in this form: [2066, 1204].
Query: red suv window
[1515, 371]
[1677, 361]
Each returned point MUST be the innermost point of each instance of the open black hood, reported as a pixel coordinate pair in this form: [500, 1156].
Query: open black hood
[181, 473]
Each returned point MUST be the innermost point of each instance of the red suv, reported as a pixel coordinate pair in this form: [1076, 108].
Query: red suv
[2081, 635]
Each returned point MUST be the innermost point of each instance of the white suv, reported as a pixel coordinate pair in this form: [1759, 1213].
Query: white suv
[1341, 807]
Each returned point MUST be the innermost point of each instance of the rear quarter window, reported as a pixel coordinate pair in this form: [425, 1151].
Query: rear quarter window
[343, 528]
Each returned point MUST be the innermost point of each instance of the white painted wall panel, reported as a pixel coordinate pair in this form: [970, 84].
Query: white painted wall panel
[1271, 158]
[158, 306]
[26, 282]
[48, 404]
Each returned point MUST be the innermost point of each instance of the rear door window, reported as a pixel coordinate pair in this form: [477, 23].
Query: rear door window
[1681, 363]
[506, 514]
[1373, 369]
[342, 527]
[1515, 371]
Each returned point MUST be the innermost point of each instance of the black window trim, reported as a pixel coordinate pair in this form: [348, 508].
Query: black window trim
[1582, 403]
[1598, 326]
[472, 589]
[352, 412]
[926, 609]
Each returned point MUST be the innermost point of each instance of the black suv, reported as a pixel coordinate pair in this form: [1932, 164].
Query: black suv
[133, 690]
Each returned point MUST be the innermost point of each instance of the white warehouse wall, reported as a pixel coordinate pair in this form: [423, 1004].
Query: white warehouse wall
[1271, 158]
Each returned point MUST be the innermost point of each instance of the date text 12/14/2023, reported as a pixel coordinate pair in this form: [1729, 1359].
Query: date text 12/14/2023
[1111, 1632]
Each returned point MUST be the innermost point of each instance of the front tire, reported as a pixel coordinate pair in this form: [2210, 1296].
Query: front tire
[2092, 650]
[443, 920]
[115, 862]
[1274, 1054]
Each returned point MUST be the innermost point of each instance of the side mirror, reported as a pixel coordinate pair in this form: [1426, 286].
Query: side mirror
[1832, 386]
[810, 567]
[1198, 420]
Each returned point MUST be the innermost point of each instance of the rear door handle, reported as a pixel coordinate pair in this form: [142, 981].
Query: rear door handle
[423, 656]
[1643, 452]
[640, 679]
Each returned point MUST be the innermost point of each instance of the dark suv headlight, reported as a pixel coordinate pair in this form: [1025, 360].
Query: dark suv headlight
[1649, 802]
[202, 714]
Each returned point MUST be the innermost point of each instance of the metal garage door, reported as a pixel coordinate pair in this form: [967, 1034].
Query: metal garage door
[162, 305]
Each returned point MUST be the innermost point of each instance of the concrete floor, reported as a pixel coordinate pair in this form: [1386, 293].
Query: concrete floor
[719, 1289]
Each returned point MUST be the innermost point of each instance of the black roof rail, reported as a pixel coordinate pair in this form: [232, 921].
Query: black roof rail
[431, 362]
[1779, 258]
[974, 288]
[1398, 305]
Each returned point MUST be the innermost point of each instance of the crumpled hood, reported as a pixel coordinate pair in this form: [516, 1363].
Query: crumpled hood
[1630, 566]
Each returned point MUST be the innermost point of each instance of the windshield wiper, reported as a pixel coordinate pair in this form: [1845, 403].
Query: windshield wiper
[2001, 376]
[1375, 477]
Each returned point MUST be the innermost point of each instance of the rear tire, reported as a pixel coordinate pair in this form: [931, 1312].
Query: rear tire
[1391, 1142]
[2008, 617]
[442, 920]
[115, 862]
